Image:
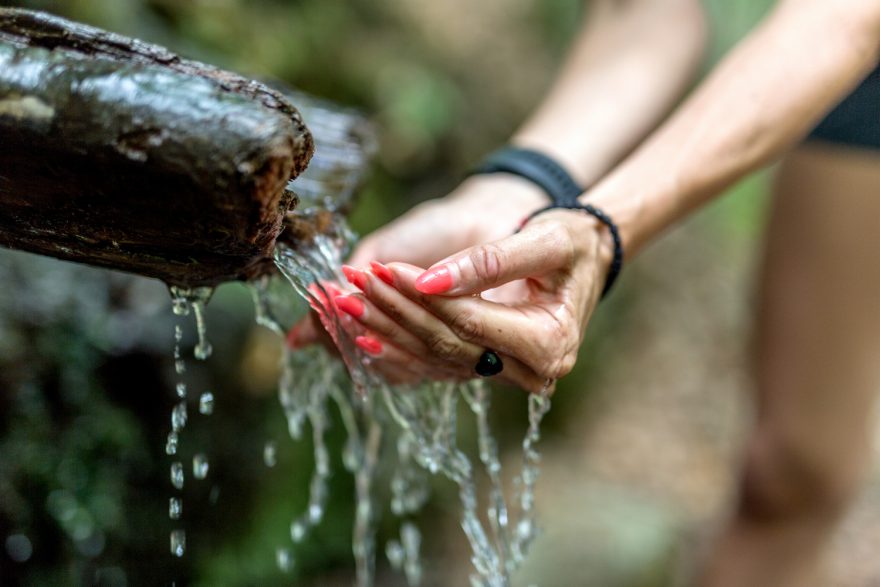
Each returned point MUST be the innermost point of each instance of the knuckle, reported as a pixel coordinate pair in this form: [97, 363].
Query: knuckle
[561, 366]
[468, 325]
[442, 346]
[487, 262]
[558, 237]
[393, 312]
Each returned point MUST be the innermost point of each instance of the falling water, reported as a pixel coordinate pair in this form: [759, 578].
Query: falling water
[185, 301]
[417, 423]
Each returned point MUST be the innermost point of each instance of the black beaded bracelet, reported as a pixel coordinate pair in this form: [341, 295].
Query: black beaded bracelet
[563, 190]
[617, 256]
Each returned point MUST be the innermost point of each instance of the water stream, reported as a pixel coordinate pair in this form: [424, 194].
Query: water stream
[410, 431]
[186, 301]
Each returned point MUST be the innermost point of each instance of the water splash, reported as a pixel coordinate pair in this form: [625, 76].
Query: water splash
[175, 508]
[178, 542]
[284, 560]
[178, 305]
[418, 423]
[171, 443]
[270, 456]
[424, 436]
[200, 466]
[178, 417]
[186, 301]
[206, 403]
[177, 474]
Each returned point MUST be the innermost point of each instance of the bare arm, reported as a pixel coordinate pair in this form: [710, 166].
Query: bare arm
[630, 62]
[628, 66]
[762, 98]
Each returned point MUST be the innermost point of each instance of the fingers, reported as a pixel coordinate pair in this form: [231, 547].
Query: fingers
[374, 320]
[435, 337]
[535, 251]
[538, 337]
[400, 319]
[394, 364]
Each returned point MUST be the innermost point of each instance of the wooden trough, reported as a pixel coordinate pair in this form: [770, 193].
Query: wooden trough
[119, 153]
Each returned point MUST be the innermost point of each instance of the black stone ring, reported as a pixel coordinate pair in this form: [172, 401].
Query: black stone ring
[489, 364]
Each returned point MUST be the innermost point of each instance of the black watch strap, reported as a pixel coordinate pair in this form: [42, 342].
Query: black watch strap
[537, 168]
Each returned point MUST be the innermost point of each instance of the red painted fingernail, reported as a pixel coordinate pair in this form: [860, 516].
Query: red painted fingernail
[354, 277]
[435, 281]
[350, 305]
[370, 345]
[382, 272]
[332, 289]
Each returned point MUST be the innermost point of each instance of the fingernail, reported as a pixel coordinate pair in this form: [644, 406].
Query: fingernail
[354, 277]
[435, 281]
[370, 345]
[350, 305]
[382, 272]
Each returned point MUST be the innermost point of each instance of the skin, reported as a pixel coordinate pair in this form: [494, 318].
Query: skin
[810, 448]
[530, 296]
[622, 94]
[724, 130]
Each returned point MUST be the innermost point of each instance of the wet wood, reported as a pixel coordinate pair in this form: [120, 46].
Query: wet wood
[118, 153]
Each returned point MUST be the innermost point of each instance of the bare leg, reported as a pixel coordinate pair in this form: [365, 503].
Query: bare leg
[818, 369]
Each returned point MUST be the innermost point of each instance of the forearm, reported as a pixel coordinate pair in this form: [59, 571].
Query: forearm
[761, 99]
[628, 66]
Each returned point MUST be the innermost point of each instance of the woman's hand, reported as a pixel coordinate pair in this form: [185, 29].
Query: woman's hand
[482, 209]
[559, 260]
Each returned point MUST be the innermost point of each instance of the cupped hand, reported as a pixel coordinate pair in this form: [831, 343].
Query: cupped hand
[482, 209]
[559, 260]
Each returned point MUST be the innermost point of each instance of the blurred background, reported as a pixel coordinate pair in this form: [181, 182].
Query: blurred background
[639, 449]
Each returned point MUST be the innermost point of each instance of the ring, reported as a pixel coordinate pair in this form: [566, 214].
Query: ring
[489, 364]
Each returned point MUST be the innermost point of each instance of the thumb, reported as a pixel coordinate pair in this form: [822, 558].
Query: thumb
[531, 253]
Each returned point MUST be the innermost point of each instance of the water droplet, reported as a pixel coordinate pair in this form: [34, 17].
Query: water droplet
[316, 512]
[171, 443]
[297, 531]
[200, 466]
[181, 390]
[175, 508]
[206, 403]
[179, 301]
[177, 474]
[270, 457]
[394, 552]
[179, 364]
[178, 542]
[203, 348]
[284, 560]
[178, 417]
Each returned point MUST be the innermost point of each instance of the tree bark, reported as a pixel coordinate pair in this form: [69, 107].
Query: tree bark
[118, 153]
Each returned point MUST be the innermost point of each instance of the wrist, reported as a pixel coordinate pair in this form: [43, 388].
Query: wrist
[501, 190]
